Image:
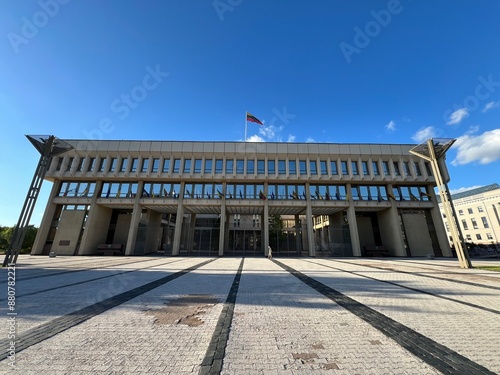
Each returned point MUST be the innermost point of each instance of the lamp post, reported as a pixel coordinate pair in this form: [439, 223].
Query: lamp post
[433, 150]
[48, 146]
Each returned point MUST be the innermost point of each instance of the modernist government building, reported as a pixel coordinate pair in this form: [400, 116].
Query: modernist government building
[236, 198]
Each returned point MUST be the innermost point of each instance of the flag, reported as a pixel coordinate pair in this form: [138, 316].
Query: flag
[188, 193]
[327, 196]
[379, 198]
[295, 195]
[346, 196]
[230, 196]
[252, 118]
[413, 198]
[262, 196]
[337, 196]
[145, 193]
[165, 193]
[219, 193]
[118, 193]
[241, 195]
[272, 195]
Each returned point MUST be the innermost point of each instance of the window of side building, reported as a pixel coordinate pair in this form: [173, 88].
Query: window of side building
[385, 166]
[416, 167]
[364, 167]
[281, 167]
[354, 166]
[396, 168]
[240, 166]
[219, 165]
[322, 167]
[123, 166]
[302, 167]
[333, 167]
[145, 165]
[271, 167]
[464, 224]
[229, 166]
[250, 166]
[176, 166]
[154, 167]
[313, 166]
[166, 166]
[343, 166]
[133, 165]
[485, 222]
[292, 167]
[261, 167]
[208, 165]
[197, 165]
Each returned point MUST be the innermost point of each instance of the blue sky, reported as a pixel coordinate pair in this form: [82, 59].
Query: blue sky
[317, 71]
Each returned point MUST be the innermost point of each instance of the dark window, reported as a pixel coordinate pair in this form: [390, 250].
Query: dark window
[313, 167]
[208, 165]
[177, 166]
[229, 166]
[145, 165]
[154, 168]
[343, 165]
[261, 166]
[133, 166]
[333, 166]
[219, 165]
[250, 166]
[197, 166]
[123, 166]
[166, 165]
[187, 166]
[322, 166]
[376, 172]
[303, 167]
[271, 167]
[281, 167]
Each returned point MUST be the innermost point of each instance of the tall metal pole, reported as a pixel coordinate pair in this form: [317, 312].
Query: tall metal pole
[429, 153]
[45, 146]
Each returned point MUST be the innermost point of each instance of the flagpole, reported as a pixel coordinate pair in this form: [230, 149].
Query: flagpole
[246, 123]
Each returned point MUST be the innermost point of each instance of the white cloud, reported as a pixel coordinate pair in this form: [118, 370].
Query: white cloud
[462, 189]
[483, 148]
[491, 105]
[310, 140]
[473, 129]
[255, 138]
[291, 138]
[424, 134]
[391, 126]
[457, 116]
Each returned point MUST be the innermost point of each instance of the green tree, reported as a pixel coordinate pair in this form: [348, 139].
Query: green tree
[6, 236]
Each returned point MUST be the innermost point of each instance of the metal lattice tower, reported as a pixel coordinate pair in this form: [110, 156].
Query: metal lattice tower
[434, 151]
[48, 146]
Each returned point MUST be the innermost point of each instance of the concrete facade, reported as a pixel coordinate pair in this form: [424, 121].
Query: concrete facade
[230, 198]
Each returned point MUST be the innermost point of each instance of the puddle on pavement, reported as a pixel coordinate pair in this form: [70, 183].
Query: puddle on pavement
[184, 310]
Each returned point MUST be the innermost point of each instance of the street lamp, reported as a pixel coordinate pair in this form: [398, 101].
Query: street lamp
[434, 151]
[48, 146]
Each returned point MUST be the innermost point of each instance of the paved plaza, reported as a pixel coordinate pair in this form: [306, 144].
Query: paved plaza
[230, 315]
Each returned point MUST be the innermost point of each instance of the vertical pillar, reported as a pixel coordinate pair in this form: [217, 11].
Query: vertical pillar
[192, 226]
[48, 216]
[439, 226]
[298, 240]
[309, 224]
[265, 227]
[222, 229]
[178, 222]
[353, 225]
[134, 222]
[87, 238]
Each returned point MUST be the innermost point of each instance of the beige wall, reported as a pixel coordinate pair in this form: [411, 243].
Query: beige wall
[417, 234]
[68, 232]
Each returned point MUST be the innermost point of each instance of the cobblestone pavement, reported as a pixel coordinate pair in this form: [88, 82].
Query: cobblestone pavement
[177, 315]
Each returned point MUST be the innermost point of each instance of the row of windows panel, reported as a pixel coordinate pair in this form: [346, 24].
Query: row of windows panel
[239, 166]
[248, 191]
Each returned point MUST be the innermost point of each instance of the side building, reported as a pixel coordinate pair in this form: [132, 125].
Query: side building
[478, 213]
[234, 198]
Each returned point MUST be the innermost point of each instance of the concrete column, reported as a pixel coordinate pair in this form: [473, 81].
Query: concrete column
[134, 222]
[153, 231]
[390, 229]
[190, 239]
[298, 235]
[87, 245]
[265, 227]
[310, 224]
[353, 225]
[437, 220]
[222, 228]
[48, 216]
